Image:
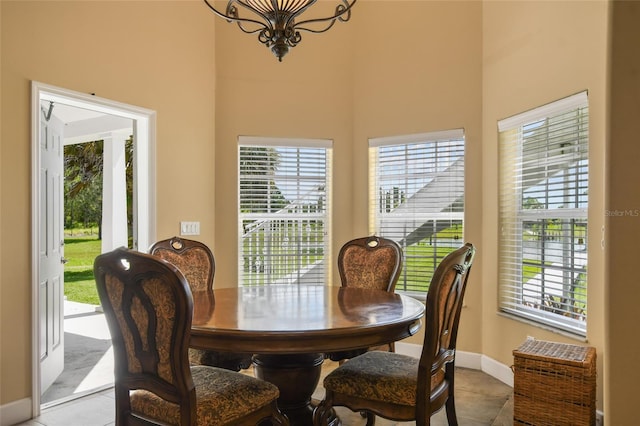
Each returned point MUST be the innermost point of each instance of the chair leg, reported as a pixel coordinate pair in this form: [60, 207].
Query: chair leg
[371, 418]
[450, 405]
[323, 413]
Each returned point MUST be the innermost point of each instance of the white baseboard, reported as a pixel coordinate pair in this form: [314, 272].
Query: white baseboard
[467, 360]
[502, 372]
[470, 360]
[410, 349]
[15, 412]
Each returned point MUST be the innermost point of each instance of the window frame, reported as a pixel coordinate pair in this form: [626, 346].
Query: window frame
[556, 283]
[434, 142]
[289, 144]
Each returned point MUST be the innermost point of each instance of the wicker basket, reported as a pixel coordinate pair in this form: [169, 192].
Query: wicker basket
[554, 384]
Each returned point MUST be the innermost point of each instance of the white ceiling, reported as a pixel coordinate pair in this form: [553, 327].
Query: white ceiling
[82, 125]
[70, 114]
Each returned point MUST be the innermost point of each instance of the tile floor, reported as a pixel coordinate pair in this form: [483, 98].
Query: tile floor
[480, 400]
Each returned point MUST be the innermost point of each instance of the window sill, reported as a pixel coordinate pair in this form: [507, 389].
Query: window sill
[415, 294]
[545, 327]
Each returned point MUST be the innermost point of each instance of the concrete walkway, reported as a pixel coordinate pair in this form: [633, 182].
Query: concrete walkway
[88, 356]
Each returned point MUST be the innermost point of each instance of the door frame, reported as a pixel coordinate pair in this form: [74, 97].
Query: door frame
[144, 128]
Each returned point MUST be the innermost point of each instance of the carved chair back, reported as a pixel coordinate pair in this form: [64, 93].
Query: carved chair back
[370, 262]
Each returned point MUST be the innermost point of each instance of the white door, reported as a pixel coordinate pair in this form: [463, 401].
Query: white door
[47, 216]
[51, 253]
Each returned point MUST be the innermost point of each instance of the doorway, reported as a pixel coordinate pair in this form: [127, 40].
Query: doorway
[48, 128]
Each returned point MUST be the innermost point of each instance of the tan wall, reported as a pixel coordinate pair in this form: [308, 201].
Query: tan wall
[3, 327]
[157, 55]
[442, 65]
[418, 74]
[623, 175]
[373, 77]
[308, 95]
[535, 53]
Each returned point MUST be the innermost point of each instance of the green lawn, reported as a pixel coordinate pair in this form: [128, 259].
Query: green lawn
[79, 285]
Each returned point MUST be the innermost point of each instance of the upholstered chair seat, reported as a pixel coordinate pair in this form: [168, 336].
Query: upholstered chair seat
[149, 310]
[224, 397]
[381, 376]
[399, 387]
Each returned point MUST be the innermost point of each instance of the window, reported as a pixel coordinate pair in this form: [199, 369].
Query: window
[543, 214]
[417, 199]
[284, 210]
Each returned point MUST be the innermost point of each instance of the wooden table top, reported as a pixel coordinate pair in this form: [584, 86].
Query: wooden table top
[301, 319]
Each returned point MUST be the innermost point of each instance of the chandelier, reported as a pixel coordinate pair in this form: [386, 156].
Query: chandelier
[277, 27]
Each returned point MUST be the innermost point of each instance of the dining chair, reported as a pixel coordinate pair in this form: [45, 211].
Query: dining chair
[369, 262]
[400, 387]
[148, 307]
[195, 260]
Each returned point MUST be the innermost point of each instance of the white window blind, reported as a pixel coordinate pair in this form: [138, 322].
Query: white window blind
[284, 209]
[417, 199]
[544, 169]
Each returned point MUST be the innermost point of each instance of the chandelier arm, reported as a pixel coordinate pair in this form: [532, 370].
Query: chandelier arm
[239, 20]
[312, 30]
[294, 38]
[252, 31]
[280, 31]
[341, 10]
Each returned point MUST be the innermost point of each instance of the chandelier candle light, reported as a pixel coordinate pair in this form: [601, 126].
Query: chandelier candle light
[277, 27]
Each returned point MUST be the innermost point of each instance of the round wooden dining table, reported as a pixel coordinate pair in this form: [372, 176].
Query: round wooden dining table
[289, 328]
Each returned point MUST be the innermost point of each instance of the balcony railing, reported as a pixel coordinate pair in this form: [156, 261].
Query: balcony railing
[287, 246]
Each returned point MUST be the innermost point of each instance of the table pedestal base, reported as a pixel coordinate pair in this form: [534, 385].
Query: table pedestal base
[296, 375]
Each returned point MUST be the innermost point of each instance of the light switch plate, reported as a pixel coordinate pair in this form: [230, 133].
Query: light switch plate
[189, 228]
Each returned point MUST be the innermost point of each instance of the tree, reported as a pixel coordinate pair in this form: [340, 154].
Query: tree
[259, 192]
[532, 203]
[83, 170]
[83, 184]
